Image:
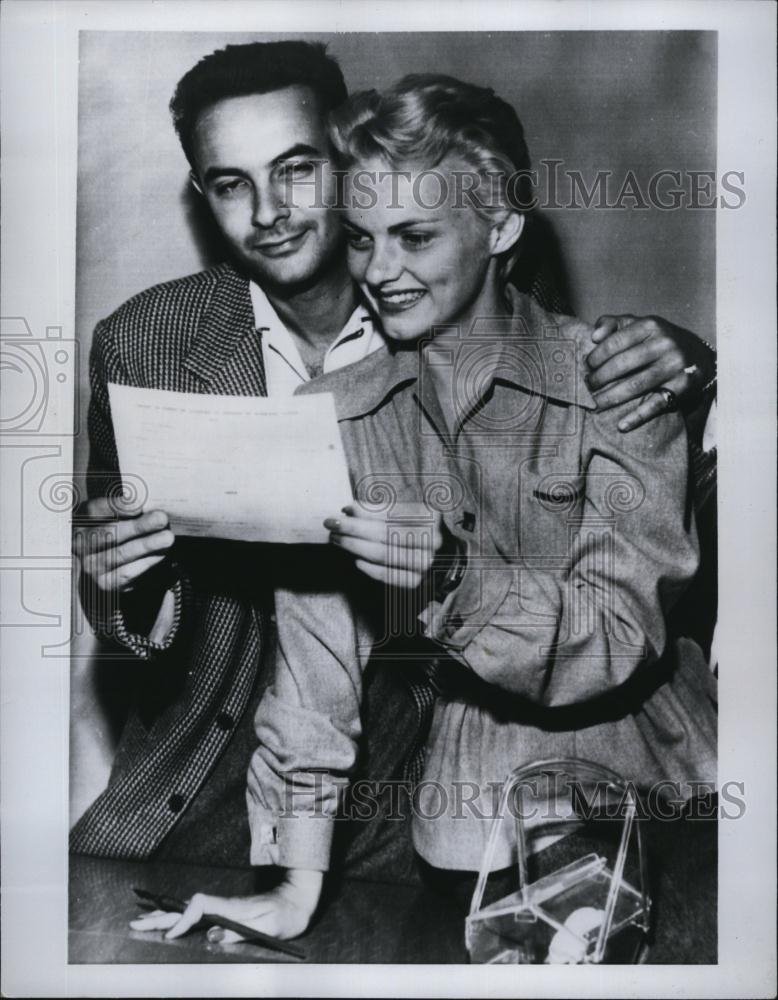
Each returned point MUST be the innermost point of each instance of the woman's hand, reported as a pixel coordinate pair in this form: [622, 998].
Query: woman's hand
[396, 550]
[284, 912]
[635, 356]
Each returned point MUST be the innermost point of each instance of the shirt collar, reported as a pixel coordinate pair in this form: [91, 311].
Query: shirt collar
[536, 351]
[276, 336]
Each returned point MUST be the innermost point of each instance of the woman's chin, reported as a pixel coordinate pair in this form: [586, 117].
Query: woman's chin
[405, 326]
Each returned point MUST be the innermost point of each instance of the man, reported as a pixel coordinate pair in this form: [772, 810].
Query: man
[196, 613]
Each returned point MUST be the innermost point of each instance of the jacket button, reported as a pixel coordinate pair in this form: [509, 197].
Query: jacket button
[176, 802]
[225, 721]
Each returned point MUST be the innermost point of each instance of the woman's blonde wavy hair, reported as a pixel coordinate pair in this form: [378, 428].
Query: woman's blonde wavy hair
[424, 118]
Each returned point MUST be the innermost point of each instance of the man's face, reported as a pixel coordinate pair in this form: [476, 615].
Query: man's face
[256, 166]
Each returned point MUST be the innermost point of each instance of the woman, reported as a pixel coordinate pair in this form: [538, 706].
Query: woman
[568, 541]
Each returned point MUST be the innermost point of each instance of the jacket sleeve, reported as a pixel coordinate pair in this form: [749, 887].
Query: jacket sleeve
[568, 628]
[145, 620]
[703, 452]
[308, 723]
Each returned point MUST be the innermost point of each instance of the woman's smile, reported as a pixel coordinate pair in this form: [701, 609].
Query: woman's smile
[391, 300]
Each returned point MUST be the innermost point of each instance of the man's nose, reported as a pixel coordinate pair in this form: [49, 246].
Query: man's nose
[269, 207]
[384, 264]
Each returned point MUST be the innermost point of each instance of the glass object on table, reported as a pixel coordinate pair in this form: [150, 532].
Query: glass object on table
[582, 896]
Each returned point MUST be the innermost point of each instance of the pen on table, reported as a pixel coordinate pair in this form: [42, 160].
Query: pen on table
[173, 905]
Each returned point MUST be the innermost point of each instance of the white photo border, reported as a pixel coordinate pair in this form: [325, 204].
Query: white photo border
[39, 126]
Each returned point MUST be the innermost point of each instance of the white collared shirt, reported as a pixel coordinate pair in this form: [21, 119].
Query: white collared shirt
[284, 368]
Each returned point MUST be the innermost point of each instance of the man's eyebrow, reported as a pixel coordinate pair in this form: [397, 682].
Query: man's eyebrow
[299, 149]
[213, 173]
[411, 223]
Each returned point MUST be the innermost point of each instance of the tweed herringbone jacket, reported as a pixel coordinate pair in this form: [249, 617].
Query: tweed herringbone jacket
[196, 335]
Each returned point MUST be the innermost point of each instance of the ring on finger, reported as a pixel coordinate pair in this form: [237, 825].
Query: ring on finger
[670, 398]
[692, 370]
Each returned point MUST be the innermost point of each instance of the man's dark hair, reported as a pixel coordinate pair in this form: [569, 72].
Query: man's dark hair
[256, 68]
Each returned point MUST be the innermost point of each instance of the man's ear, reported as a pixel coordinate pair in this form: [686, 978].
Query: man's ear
[505, 233]
[195, 182]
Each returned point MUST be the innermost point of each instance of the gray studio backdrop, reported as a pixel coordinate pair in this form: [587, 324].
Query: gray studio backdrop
[615, 101]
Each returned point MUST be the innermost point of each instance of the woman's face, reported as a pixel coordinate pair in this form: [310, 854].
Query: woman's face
[416, 246]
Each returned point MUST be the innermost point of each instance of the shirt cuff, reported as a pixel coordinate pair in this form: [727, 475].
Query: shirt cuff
[112, 622]
[296, 841]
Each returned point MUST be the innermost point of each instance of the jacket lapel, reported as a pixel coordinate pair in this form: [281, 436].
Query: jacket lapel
[226, 353]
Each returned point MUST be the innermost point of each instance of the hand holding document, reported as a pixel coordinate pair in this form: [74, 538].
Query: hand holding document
[237, 467]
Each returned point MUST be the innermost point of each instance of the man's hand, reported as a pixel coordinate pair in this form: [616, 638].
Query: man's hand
[635, 356]
[284, 912]
[397, 551]
[114, 551]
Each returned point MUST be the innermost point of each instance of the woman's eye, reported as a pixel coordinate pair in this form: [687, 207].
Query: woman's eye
[357, 241]
[415, 241]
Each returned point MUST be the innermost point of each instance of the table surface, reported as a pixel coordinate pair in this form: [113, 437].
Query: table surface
[371, 922]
